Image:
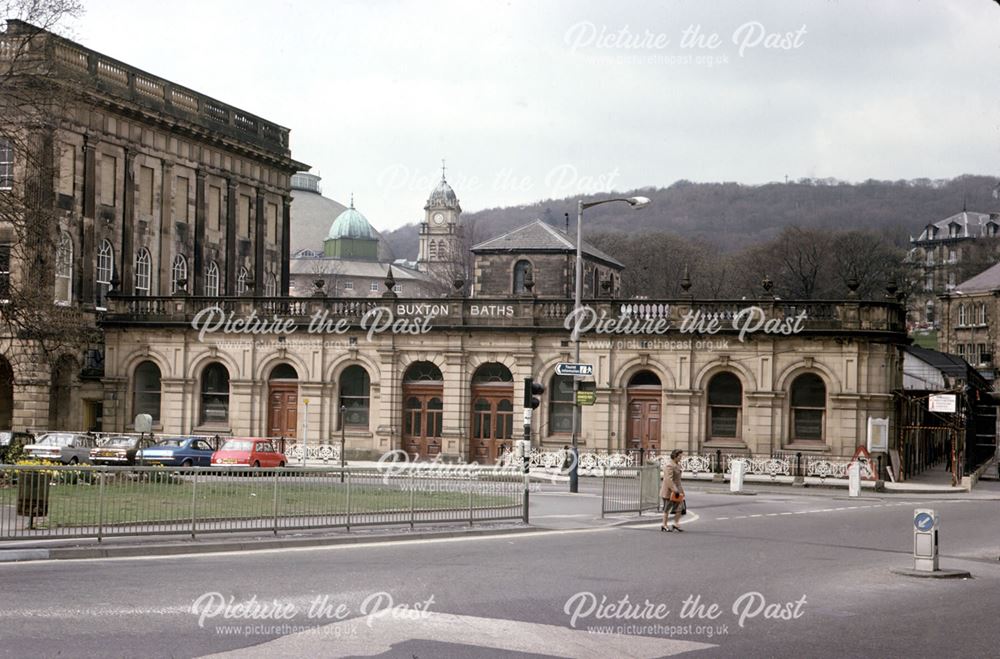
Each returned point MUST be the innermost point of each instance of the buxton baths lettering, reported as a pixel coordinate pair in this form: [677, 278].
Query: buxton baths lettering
[432, 310]
[492, 310]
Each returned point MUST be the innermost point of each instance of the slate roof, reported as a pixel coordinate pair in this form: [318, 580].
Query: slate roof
[971, 225]
[352, 268]
[541, 237]
[985, 282]
[951, 365]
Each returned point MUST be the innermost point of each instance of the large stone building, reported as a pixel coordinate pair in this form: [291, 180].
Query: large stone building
[945, 253]
[114, 178]
[445, 376]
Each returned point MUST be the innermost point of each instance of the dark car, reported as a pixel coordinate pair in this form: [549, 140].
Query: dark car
[121, 450]
[178, 452]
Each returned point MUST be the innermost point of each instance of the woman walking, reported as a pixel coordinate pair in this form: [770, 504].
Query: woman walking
[672, 492]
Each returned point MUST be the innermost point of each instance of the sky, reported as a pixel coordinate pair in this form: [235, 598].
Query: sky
[530, 100]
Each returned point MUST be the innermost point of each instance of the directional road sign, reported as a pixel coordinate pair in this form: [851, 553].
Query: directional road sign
[569, 368]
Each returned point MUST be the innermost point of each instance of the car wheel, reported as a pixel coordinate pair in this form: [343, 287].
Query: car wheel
[256, 465]
[187, 463]
[73, 460]
[281, 464]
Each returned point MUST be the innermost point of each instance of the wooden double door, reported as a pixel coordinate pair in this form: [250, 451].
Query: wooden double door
[644, 420]
[423, 412]
[282, 409]
[492, 423]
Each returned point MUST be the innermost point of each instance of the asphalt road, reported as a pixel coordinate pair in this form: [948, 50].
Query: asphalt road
[789, 575]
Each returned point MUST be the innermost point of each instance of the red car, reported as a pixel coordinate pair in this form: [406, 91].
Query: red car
[248, 453]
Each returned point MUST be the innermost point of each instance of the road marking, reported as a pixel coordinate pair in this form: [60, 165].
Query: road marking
[721, 518]
[756, 515]
[367, 637]
[787, 513]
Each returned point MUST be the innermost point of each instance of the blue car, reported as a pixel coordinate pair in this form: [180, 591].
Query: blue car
[178, 452]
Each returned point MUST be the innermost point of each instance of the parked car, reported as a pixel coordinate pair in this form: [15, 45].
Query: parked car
[69, 448]
[179, 452]
[120, 450]
[250, 453]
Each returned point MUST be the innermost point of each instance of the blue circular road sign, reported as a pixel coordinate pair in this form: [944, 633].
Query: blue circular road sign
[923, 522]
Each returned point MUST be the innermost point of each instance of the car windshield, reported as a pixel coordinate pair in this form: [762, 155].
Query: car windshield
[56, 440]
[237, 445]
[120, 442]
[170, 443]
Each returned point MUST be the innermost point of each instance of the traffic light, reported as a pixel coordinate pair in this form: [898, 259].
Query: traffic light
[532, 390]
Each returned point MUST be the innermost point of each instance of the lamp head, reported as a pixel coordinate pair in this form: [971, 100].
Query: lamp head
[638, 202]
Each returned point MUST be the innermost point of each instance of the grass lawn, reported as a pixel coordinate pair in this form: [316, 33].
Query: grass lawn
[926, 339]
[254, 498]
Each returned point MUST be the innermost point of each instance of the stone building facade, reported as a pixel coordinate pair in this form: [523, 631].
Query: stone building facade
[150, 189]
[545, 266]
[946, 253]
[447, 378]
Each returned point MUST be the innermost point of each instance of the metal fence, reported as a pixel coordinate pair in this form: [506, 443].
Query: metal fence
[630, 490]
[72, 501]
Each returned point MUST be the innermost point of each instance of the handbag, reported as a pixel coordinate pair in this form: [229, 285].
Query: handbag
[676, 497]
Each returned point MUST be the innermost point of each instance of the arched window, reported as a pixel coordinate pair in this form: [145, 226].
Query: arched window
[271, 287]
[442, 251]
[808, 407]
[212, 279]
[64, 269]
[561, 405]
[241, 282]
[432, 249]
[962, 318]
[355, 388]
[423, 372]
[146, 390]
[521, 269]
[178, 274]
[492, 372]
[143, 272]
[105, 270]
[284, 372]
[215, 394]
[725, 406]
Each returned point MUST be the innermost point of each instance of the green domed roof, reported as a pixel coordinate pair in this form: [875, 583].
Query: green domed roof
[351, 224]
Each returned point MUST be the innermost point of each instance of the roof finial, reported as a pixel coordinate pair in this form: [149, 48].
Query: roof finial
[352, 200]
[442, 169]
[964, 198]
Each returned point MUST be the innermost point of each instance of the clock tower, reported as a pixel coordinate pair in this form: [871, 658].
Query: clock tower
[440, 234]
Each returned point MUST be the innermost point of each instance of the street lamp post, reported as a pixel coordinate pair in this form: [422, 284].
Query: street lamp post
[305, 434]
[343, 424]
[634, 202]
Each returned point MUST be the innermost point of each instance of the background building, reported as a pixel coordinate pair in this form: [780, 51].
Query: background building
[118, 180]
[945, 253]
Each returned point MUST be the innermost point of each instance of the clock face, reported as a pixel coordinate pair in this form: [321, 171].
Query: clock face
[438, 218]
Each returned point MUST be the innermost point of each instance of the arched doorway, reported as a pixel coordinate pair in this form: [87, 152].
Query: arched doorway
[6, 395]
[60, 394]
[423, 395]
[282, 401]
[644, 394]
[492, 422]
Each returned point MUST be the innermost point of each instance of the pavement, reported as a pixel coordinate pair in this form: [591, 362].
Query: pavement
[552, 507]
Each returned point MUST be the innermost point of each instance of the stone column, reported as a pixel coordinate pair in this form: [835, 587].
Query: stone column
[165, 259]
[126, 260]
[86, 238]
[232, 226]
[197, 278]
[286, 244]
[259, 239]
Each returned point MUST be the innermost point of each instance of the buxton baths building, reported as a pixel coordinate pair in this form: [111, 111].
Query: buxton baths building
[446, 376]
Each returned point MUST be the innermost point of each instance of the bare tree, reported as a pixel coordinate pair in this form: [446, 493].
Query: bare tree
[34, 319]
